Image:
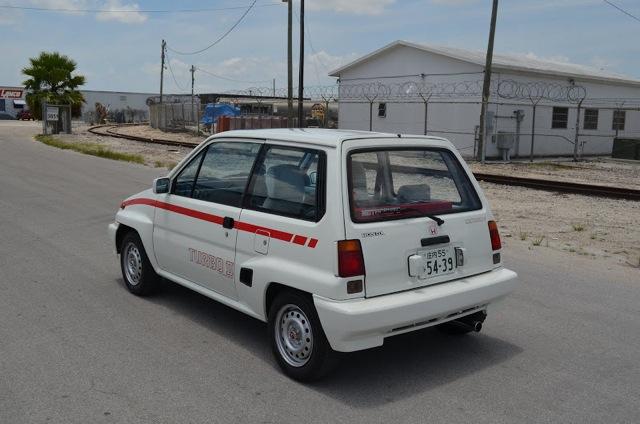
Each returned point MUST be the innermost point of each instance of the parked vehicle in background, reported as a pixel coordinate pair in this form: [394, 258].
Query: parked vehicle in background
[337, 239]
[25, 115]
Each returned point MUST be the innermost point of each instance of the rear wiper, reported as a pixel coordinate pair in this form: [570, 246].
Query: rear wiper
[438, 220]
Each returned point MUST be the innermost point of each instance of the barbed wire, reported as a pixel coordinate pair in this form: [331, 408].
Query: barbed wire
[417, 91]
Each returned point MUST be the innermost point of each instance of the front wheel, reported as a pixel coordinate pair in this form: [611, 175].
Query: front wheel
[297, 339]
[137, 271]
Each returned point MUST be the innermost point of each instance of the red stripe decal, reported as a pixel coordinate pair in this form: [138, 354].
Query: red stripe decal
[301, 240]
[239, 225]
[251, 228]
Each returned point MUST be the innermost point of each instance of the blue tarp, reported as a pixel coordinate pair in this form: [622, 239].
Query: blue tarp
[213, 110]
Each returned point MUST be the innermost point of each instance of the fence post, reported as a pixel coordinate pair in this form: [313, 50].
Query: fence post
[533, 131]
[575, 142]
[426, 116]
[370, 115]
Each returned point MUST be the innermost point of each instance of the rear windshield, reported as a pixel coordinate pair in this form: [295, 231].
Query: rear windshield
[388, 184]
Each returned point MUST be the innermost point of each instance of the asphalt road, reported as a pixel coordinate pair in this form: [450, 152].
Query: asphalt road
[76, 347]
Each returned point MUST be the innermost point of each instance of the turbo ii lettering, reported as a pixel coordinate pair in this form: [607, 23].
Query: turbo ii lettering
[337, 240]
[223, 267]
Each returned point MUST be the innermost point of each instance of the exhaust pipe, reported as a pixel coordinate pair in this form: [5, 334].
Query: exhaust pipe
[471, 322]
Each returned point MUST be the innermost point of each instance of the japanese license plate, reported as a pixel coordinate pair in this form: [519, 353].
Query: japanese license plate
[436, 262]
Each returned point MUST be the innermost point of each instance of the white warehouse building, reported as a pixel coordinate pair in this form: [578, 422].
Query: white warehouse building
[417, 89]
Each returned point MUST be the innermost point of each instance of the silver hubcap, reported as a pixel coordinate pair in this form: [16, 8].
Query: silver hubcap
[132, 264]
[293, 334]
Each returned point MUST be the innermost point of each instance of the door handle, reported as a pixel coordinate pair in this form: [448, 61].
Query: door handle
[228, 222]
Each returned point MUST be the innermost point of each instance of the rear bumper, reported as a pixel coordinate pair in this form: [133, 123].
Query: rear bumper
[364, 323]
[112, 230]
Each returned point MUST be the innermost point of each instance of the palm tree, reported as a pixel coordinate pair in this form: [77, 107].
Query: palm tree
[51, 81]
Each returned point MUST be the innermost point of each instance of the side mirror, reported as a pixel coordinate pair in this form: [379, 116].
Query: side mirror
[161, 185]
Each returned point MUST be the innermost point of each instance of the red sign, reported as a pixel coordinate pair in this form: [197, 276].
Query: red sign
[10, 93]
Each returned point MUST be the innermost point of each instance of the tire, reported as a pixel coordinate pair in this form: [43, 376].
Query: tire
[297, 339]
[137, 271]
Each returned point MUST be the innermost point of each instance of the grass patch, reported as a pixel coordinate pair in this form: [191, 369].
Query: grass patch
[537, 241]
[162, 164]
[523, 235]
[577, 227]
[89, 149]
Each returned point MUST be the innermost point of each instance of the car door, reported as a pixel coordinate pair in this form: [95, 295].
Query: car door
[194, 235]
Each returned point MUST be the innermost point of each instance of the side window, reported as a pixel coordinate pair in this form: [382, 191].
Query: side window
[183, 185]
[559, 117]
[618, 120]
[224, 172]
[289, 181]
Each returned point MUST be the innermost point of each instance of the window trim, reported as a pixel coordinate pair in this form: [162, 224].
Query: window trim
[553, 121]
[597, 118]
[321, 194]
[174, 180]
[203, 151]
[473, 192]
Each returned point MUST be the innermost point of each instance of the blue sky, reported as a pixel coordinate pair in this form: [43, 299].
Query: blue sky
[120, 51]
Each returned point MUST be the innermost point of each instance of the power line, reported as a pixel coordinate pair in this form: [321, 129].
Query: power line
[622, 10]
[229, 79]
[181, 88]
[222, 37]
[64, 10]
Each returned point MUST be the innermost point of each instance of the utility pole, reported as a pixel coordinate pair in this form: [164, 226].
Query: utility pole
[487, 82]
[164, 47]
[289, 64]
[301, 70]
[193, 80]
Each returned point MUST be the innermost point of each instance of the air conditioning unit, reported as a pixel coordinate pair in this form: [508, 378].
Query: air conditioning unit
[504, 140]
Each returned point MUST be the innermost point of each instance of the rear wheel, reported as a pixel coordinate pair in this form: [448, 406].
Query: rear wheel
[297, 339]
[137, 272]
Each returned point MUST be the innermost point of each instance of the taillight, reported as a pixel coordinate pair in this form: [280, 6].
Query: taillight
[350, 260]
[495, 236]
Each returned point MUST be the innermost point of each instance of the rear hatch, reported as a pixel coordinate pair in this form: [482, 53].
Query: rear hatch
[397, 193]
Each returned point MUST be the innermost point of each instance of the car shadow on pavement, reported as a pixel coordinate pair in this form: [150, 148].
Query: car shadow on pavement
[407, 364]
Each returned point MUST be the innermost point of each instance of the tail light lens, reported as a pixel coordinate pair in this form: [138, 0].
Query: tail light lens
[350, 260]
[496, 244]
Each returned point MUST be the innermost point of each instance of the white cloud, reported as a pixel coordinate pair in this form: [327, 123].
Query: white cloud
[125, 13]
[453, 2]
[360, 7]
[326, 62]
[60, 5]
[558, 58]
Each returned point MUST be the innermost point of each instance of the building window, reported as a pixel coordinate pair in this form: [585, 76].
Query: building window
[591, 119]
[619, 117]
[2, 105]
[382, 110]
[560, 117]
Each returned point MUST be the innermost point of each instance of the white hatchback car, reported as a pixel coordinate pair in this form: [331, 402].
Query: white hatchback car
[338, 239]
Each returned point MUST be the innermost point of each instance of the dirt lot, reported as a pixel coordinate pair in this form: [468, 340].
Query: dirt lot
[604, 230]
[605, 171]
[157, 155]
[148, 132]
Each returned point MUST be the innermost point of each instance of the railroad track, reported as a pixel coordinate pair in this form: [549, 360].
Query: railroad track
[562, 186]
[536, 183]
[109, 130]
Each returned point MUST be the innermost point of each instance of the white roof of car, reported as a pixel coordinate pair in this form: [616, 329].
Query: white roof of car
[505, 62]
[319, 136]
